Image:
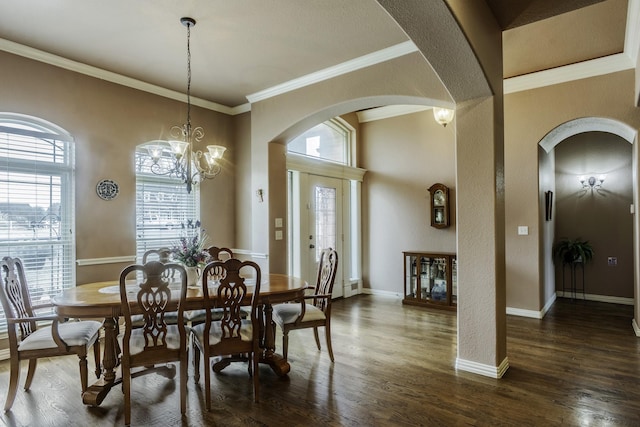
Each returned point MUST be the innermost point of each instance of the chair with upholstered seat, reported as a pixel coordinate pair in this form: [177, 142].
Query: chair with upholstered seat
[316, 312]
[231, 335]
[29, 341]
[156, 342]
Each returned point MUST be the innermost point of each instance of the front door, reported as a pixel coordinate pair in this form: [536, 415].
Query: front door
[325, 224]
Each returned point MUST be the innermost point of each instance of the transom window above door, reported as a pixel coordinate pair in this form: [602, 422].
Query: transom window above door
[328, 141]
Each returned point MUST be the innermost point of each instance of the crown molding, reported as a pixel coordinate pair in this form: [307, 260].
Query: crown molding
[632, 34]
[88, 70]
[592, 68]
[581, 70]
[373, 58]
[388, 111]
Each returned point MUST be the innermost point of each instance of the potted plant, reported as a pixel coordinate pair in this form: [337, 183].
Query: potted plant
[569, 251]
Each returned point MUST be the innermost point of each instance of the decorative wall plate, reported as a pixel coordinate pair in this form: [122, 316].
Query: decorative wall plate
[107, 189]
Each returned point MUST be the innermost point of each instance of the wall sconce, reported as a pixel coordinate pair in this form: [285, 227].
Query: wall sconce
[592, 182]
[443, 115]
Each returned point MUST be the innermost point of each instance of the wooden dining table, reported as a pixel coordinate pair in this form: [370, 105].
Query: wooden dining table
[102, 300]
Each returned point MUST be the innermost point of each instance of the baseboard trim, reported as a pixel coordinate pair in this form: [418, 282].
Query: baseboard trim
[636, 328]
[378, 292]
[532, 313]
[599, 298]
[482, 369]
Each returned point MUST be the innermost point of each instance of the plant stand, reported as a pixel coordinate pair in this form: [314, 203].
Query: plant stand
[573, 279]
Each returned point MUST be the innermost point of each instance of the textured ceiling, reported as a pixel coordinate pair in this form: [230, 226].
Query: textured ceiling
[244, 47]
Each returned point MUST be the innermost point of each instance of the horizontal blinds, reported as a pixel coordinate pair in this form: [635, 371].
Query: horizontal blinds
[162, 206]
[36, 200]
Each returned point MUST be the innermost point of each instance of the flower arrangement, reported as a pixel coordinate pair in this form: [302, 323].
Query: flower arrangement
[190, 249]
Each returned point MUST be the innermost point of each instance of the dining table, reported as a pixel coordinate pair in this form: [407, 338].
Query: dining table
[102, 300]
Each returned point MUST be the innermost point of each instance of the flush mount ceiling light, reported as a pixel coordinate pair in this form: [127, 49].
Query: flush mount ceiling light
[444, 116]
[178, 156]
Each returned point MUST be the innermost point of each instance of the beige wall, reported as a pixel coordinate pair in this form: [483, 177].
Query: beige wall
[529, 116]
[107, 122]
[244, 194]
[403, 157]
[602, 216]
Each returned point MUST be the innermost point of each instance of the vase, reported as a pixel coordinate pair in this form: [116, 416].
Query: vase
[192, 276]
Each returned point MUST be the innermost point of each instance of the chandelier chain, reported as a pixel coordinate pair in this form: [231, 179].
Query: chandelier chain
[188, 77]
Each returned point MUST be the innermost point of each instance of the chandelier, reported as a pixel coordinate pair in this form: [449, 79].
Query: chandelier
[177, 157]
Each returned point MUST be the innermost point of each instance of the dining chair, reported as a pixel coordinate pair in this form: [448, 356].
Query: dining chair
[161, 254]
[231, 335]
[220, 254]
[156, 342]
[195, 317]
[315, 313]
[29, 341]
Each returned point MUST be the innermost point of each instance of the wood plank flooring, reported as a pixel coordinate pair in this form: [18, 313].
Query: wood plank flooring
[395, 366]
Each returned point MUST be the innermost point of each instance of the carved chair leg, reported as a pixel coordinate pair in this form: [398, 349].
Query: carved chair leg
[83, 372]
[13, 383]
[196, 362]
[315, 335]
[184, 362]
[96, 356]
[285, 343]
[327, 332]
[30, 373]
[207, 382]
[256, 379]
[126, 389]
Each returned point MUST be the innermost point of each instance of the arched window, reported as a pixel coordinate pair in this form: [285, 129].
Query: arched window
[329, 141]
[162, 206]
[36, 203]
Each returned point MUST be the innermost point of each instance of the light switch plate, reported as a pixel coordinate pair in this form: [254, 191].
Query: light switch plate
[278, 234]
[523, 230]
[278, 222]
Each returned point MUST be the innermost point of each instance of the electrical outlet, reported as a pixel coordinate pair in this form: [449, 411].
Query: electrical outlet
[612, 261]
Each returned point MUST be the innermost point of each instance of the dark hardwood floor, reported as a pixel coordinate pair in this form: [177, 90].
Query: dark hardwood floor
[395, 366]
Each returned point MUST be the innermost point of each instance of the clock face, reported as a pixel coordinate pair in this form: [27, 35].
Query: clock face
[438, 198]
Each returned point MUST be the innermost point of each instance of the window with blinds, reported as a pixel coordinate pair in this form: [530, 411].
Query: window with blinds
[36, 204]
[162, 206]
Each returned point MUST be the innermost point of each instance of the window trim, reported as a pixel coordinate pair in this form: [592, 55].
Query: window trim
[65, 171]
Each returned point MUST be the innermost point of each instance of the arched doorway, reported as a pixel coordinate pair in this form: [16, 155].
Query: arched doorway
[583, 131]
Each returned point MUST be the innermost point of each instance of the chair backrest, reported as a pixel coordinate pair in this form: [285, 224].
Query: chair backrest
[326, 277]
[152, 298]
[220, 254]
[16, 300]
[160, 254]
[231, 293]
